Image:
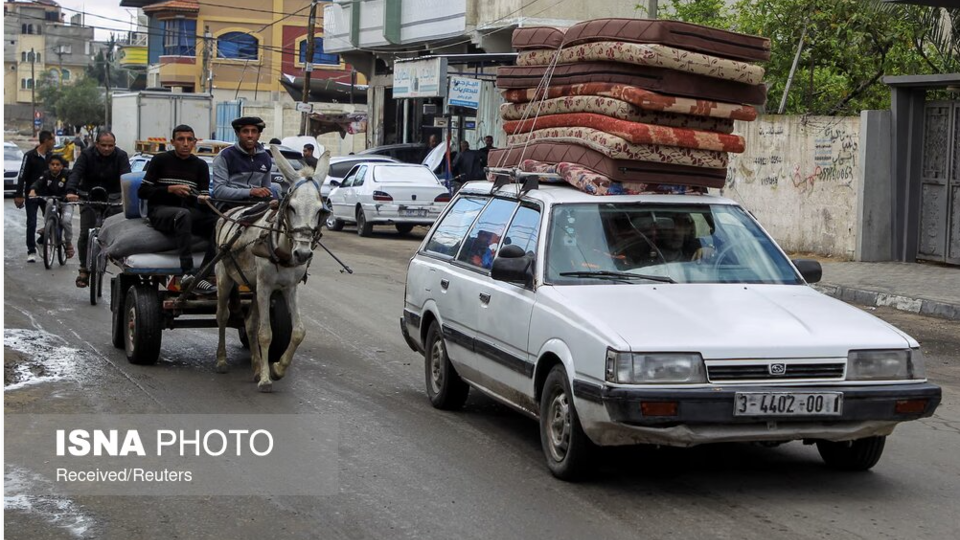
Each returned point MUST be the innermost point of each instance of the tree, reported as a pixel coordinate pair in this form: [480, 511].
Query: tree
[81, 104]
[97, 70]
[849, 46]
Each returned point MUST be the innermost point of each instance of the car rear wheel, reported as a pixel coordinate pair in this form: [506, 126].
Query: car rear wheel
[364, 228]
[564, 443]
[445, 388]
[858, 455]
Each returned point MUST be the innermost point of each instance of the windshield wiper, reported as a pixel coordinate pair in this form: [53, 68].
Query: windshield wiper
[603, 274]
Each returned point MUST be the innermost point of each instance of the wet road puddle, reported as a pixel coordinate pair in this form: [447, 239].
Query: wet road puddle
[32, 357]
[51, 508]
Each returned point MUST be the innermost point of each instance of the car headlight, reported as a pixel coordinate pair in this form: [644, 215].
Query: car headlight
[885, 365]
[654, 368]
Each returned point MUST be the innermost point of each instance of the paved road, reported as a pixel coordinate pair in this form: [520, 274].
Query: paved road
[407, 470]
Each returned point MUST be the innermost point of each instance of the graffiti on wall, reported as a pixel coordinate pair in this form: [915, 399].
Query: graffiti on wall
[802, 159]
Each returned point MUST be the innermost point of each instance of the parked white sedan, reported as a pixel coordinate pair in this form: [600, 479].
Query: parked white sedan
[387, 194]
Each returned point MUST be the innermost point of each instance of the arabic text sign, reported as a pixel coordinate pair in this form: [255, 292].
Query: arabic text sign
[464, 92]
[422, 78]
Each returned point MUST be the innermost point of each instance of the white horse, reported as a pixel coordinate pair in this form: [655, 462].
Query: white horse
[294, 232]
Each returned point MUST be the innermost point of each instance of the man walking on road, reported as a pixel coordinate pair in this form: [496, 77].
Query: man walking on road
[176, 185]
[242, 171]
[100, 165]
[34, 164]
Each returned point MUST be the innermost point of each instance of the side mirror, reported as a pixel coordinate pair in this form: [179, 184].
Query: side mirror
[335, 183]
[513, 265]
[809, 269]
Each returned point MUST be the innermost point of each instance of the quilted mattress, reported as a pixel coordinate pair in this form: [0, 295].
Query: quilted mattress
[645, 99]
[618, 170]
[662, 80]
[677, 34]
[646, 54]
[633, 132]
[613, 108]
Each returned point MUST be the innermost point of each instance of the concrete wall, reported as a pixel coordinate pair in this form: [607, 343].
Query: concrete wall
[283, 120]
[801, 177]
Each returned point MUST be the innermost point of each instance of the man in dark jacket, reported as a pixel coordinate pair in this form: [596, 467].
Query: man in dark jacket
[34, 164]
[175, 187]
[467, 166]
[100, 165]
[242, 171]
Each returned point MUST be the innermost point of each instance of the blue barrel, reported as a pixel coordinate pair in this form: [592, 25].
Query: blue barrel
[133, 207]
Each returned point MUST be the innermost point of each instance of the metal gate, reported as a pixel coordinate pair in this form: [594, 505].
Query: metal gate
[227, 111]
[940, 183]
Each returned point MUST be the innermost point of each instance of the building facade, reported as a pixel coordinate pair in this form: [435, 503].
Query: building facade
[238, 49]
[40, 44]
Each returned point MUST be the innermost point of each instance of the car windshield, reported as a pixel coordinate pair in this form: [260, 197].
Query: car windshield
[646, 243]
[11, 154]
[420, 175]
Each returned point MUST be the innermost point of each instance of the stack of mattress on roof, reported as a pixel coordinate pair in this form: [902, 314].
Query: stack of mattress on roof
[629, 105]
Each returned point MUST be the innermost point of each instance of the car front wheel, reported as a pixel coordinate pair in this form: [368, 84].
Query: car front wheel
[334, 224]
[564, 443]
[858, 455]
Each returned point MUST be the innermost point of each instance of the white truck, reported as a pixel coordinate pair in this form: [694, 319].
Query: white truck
[141, 115]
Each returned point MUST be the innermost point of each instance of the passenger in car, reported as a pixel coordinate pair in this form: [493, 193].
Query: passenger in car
[677, 240]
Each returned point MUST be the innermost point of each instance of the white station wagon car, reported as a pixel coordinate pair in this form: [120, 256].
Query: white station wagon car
[650, 319]
[395, 194]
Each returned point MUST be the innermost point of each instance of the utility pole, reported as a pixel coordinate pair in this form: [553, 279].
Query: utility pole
[33, 88]
[206, 76]
[60, 53]
[308, 65]
[652, 9]
[106, 82]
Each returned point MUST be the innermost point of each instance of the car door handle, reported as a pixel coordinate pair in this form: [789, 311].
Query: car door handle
[444, 283]
[484, 298]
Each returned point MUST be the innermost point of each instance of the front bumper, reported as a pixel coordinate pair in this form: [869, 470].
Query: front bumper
[705, 415]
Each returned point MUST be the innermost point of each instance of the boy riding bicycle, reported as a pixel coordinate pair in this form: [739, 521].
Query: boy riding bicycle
[53, 184]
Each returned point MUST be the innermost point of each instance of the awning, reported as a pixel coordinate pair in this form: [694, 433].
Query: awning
[324, 90]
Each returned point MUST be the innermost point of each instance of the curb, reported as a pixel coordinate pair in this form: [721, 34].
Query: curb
[920, 306]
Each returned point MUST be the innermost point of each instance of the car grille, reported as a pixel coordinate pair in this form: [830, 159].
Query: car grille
[726, 371]
[10, 174]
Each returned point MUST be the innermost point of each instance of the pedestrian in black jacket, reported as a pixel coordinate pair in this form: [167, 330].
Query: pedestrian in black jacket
[34, 164]
[53, 183]
[100, 165]
[175, 187]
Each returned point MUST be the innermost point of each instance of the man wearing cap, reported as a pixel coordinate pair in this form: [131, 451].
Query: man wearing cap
[242, 171]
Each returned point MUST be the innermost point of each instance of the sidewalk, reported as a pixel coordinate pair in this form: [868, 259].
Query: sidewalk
[927, 289]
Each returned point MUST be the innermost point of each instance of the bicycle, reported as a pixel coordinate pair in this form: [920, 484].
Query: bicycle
[96, 262]
[52, 231]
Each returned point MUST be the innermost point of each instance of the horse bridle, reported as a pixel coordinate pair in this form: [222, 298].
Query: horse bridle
[283, 223]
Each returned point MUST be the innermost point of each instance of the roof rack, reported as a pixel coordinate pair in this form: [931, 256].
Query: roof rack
[513, 175]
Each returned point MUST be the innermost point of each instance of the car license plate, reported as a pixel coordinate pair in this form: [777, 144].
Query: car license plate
[787, 404]
[413, 212]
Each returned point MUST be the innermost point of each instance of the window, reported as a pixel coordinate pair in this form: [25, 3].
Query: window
[237, 46]
[38, 58]
[319, 57]
[65, 74]
[482, 243]
[23, 57]
[179, 37]
[448, 236]
[524, 229]
[23, 84]
[29, 83]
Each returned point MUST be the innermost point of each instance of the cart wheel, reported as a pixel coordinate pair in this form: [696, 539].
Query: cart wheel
[142, 325]
[49, 245]
[117, 305]
[281, 325]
